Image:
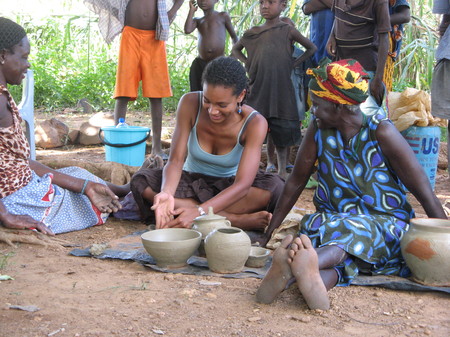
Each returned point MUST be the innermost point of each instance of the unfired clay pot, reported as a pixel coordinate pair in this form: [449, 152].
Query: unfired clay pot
[171, 247]
[426, 250]
[205, 224]
[227, 249]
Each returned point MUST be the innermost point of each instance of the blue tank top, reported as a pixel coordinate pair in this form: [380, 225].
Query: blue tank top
[200, 161]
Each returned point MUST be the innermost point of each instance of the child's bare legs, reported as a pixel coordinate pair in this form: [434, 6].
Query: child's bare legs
[282, 157]
[270, 155]
[120, 109]
[313, 272]
[278, 275]
[156, 112]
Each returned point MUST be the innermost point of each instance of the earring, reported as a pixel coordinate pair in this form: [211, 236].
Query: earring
[239, 108]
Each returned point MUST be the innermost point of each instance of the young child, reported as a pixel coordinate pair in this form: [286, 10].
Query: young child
[269, 64]
[142, 55]
[360, 32]
[212, 28]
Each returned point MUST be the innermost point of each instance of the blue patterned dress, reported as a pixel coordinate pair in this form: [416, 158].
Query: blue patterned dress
[361, 204]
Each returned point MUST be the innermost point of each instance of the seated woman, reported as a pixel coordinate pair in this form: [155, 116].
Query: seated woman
[362, 209]
[33, 196]
[214, 158]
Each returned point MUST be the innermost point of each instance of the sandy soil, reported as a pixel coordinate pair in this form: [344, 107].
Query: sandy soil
[90, 297]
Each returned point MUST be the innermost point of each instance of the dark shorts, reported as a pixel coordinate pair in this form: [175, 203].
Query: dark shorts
[199, 187]
[195, 74]
[440, 90]
[284, 132]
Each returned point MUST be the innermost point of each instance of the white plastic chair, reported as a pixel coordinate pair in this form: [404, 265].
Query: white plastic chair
[26, 109]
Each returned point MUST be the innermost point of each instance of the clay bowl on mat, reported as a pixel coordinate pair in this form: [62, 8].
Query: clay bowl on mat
[171, 247]
[258, 257]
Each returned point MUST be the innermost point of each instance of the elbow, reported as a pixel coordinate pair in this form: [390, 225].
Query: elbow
[306, 9]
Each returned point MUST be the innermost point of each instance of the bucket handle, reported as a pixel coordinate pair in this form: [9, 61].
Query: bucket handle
[105, 142]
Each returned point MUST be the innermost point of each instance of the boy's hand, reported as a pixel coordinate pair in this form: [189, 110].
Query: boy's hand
[331, 45]
[377, 90]
[193, 6]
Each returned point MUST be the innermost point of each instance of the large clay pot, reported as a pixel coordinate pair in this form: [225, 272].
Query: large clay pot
[227, 249]
[205, 224]
[426, 250]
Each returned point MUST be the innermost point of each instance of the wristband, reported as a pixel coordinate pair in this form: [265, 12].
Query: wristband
[201, 210]
[84, 186]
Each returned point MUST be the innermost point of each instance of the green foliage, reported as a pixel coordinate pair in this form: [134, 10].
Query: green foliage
[416, 60]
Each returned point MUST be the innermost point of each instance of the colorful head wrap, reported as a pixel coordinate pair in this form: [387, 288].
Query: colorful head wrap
[11, 33]
[343, 81]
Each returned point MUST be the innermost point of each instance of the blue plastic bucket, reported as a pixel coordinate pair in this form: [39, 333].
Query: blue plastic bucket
[125, 145]
[425, 140]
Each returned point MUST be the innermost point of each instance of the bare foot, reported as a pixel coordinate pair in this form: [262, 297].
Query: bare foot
[278, 275]
[305, 268]
[251, 221]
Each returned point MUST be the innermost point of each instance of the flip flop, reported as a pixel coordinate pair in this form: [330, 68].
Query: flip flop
[271, 169]
[312, 183]
[289, 168]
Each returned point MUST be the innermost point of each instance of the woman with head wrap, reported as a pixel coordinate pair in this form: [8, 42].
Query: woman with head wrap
[361, 205]
[33, 196]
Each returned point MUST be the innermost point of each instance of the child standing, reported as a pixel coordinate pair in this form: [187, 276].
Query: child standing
[360, 32]
[142, 55]
[212, 28]
[269, 64]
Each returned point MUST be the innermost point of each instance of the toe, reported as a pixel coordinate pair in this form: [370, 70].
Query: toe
[306, 242]
[286, 241]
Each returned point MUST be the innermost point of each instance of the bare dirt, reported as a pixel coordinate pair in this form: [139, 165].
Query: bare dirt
[91, 297]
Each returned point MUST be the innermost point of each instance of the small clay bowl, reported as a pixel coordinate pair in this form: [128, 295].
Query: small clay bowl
[171, 247]
[258, 257]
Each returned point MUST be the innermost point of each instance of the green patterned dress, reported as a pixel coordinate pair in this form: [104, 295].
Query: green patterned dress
[360, 202]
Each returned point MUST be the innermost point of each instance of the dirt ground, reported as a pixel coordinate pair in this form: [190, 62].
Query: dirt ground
[91, 297]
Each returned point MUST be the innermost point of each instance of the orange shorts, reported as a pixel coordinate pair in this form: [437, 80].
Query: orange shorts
[142, 58]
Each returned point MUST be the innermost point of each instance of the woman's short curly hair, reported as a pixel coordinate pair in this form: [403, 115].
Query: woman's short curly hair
[226, 71]
[11, 33]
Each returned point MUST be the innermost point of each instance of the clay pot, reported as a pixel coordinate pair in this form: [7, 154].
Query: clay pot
[227, 249]
[205, 224]
[171, 247]
[426, 250]
[258, 257]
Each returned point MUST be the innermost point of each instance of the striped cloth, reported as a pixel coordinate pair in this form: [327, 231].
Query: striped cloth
[111, 17]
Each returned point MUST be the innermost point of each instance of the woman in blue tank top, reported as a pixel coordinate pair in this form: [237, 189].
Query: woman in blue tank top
[214, 158]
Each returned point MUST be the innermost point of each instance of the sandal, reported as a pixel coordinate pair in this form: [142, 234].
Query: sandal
[289, 168]
[312, 183]
[271, 169]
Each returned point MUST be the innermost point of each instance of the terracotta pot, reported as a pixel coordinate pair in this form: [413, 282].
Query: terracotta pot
[227, 249]
[426, 250]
